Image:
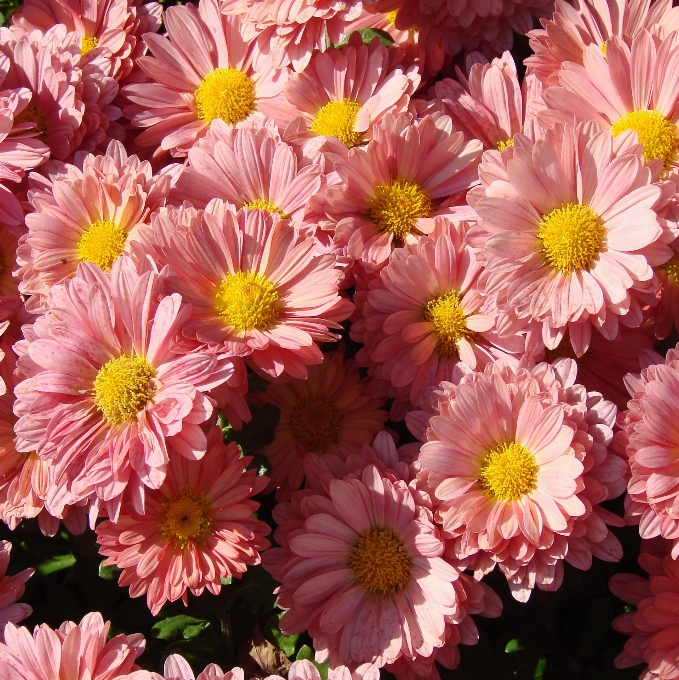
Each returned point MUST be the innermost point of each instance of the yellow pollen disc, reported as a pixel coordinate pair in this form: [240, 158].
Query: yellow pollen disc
[657, 134]
[122, 388]
[509, 472]
[102, 244]
[186, 519]
[337, 119]
[671, 269]
[316, 423]
[380, 562]
[31, 114]
[572, 237]
[501, 146]
[87, 45]
[445, 314]
[603, 48]
[226, 93]
[263, 204]
[247, 301]
[395, 207]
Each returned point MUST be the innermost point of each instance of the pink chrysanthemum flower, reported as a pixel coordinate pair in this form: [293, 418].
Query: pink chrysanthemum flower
[343, 93]
[75, 651]
[649, 437]
[256, 287]
[627, 91]
[492, 105]
[654, 626]
[666, 315]
[425, 314]
[195, 529]
[577, 24]
[287, 32]
[390, 190]
[54, 113]
[202, 70]
[327, 413]
[569, 233]
[106, 394]
[11, 589]
[517, 460]
[86, 213]
[250, 167]
[108, 31]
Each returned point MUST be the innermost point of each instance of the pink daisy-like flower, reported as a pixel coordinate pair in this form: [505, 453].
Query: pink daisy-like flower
[55, 110]
[654, 626]
[329, 412]
[343, 93]
[666, 315]
[424, 314]
[289, 32]
[108, 30]
[105, 394]
[630, 91]
[249, 167]
[577, 24]
[517, 460]
[649, 437]
[195, 529]
[492, 105]
[569, 233]
[74, 651]
[256, 287]
[202, 70]
[390, 190]
[85, 213]
[11, 589]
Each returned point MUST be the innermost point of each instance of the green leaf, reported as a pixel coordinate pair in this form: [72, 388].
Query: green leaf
[182, 625]
[56, 563]
[305, 652]
[109, 573]
[540, 669]
[367, 35]
[272, 632]
[514, 646]
[256, 589]
[261, 464]
[226, 581]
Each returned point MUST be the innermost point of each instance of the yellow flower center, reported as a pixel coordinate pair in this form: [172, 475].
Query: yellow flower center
[509, 472]
[316, 423]
[395, 207]
[226, 93]
[123, 387]
[263, 204]
[445, 314]
[102, 244]
[247, 301]
[671, 269]
[657, 134]
[603, 48]
[31, 114]
[501, 146]
[380, 562]
[87, 45]
[186, 519]
[572, 237]
[337, 119]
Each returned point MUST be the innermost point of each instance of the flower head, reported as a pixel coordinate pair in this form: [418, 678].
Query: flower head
[11, 589]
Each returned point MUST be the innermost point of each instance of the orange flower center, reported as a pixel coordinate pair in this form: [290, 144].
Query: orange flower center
[316, 422]
[31, 114]
[186, 519]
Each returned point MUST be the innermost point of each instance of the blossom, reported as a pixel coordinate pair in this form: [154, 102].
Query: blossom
[106, 394]
[256, 287]
[249, 167]
[569, 233]
[327, 413]
[195, 529]
[391, 188]
[518, 462]
[288, 33]
[11, 589]
[202, 70]
[74, 651]
[343, 93]
[653, 626]
[86, 213]
[574, 26]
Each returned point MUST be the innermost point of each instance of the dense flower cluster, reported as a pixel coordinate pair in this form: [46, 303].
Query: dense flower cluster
[343, 274]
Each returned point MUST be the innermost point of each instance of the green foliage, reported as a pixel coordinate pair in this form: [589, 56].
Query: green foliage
[272, 632]
[367, 35]
[183, 626]
[307, 653]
